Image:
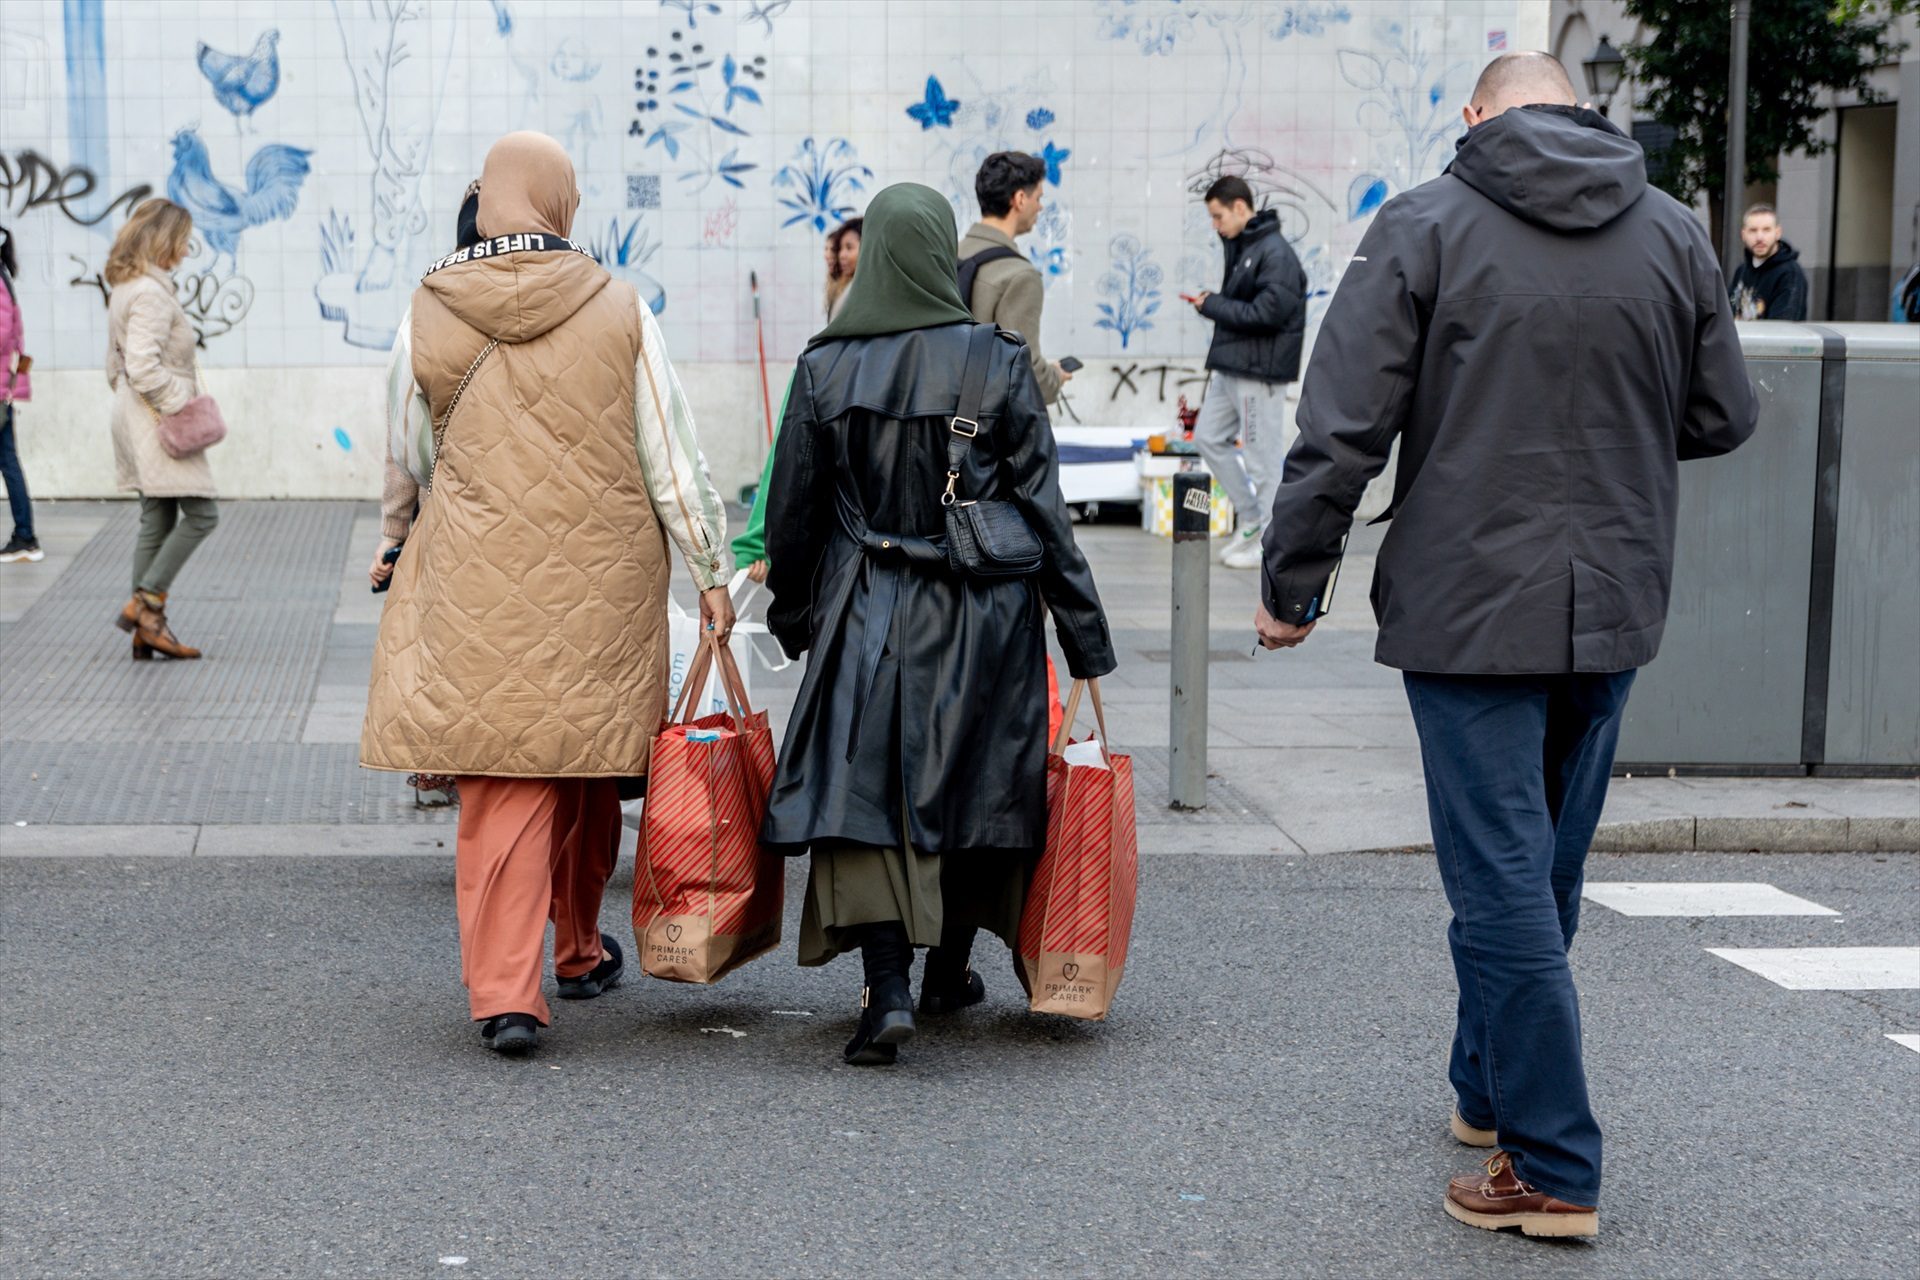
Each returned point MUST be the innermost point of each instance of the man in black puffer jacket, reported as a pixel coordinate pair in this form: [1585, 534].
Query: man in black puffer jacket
[1258, 318]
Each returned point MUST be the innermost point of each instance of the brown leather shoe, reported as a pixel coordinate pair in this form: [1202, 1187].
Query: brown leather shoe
[1497, 1200]
[128, 619]
[154, 632]
[1467, 1135]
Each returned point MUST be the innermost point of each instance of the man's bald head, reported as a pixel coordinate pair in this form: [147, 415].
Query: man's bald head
[1519, 80]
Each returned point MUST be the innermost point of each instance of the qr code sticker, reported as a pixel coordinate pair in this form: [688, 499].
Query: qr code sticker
[643, 191]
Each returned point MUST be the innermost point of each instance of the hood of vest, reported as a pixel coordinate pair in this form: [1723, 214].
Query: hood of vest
[517, 297]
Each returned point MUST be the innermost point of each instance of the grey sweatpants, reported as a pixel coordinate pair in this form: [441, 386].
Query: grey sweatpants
[1254, 413]
[171, 530]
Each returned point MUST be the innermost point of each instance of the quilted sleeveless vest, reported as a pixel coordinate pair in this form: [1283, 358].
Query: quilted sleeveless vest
[526, 631]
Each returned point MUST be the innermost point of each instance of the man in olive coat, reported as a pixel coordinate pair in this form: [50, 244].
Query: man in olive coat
[1547, 337]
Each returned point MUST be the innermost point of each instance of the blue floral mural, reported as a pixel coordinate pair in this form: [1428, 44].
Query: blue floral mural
[1409, 107]
[1054, 158]
[1134, 287]
[694, 112]
[624, 250]
[394, 59]
[1039, 118]
[935, 108]
[1197, 29]
[821, 181]
[693, 9]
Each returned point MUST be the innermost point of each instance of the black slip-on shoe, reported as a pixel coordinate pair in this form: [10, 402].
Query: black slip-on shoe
[936, 1000]
[512, 1034]
[598, 980]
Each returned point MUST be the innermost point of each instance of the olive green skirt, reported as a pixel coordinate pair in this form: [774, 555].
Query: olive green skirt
[855, 884]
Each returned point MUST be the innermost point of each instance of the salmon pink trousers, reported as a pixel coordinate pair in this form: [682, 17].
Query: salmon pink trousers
[530, 850]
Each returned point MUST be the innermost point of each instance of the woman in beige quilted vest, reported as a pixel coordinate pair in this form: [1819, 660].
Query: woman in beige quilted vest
[538, 429]
[150, 366]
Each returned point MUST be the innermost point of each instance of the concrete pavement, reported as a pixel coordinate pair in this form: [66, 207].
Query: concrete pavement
[1312, 750]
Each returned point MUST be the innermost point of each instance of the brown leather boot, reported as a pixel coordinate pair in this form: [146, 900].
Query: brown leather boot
[1497, 1200]
[128, 619]
[153, 629]
[142, 651]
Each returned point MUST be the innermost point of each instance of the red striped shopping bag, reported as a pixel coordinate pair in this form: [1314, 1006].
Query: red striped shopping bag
[706, 897]
[1079, 912]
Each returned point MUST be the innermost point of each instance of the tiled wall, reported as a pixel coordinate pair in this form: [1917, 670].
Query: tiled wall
[323, 147]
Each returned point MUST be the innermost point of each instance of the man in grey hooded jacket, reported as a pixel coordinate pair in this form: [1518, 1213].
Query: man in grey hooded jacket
[1547, 337]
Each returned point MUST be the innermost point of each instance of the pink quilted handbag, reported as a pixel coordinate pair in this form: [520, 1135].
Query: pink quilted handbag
[198, 425]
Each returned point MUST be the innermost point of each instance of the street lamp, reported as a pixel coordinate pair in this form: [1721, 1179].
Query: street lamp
[1604, 70]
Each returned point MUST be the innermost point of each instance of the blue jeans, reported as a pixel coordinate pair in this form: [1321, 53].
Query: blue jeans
[14, 478]
[1517, 770]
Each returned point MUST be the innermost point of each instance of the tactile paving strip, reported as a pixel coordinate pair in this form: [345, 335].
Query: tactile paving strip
[1227, 805]
[191, 784]
[258, 597]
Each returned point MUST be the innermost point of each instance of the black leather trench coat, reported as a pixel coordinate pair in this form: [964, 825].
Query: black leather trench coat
[924, 698]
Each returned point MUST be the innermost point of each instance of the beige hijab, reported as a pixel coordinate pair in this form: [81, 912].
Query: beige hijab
[527, 184]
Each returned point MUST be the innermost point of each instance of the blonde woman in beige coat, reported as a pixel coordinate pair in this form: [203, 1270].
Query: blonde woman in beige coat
[150, 366]
[536, 420]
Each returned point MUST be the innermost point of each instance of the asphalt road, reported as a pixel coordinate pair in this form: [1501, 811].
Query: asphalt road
[261, 1067]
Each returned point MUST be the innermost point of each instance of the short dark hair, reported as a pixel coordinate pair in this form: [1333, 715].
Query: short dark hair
[1230, 188]
[1003, 175]
[1767, 209]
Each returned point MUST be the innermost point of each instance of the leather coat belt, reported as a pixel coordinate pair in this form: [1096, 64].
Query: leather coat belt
[885, 556]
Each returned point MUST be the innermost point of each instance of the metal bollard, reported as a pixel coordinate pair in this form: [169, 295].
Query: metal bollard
[1192, 579]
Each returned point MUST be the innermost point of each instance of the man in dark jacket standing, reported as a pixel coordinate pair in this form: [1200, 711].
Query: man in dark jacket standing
[1258, 317]
[1548, 338]
[1769, 283]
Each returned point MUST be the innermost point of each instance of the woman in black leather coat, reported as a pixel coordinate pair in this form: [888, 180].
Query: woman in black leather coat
[914, 768]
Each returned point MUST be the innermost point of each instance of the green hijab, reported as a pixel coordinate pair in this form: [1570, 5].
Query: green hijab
[909, 257]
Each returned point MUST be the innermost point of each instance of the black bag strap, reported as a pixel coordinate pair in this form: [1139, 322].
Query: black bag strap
[970, 267]
[966, 419]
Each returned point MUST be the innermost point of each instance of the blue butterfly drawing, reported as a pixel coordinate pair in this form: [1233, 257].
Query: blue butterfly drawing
[1055, 157]
[937, 109]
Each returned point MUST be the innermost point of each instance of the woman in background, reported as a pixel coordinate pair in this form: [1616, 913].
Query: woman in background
[843, 256]
[15, 387]
[150, 345]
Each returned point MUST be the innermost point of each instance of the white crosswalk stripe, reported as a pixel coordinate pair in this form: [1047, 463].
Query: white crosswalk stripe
[1794, 968]
[1687, 898]
[1830, 968]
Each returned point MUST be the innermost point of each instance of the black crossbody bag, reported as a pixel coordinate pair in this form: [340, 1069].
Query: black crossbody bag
[985, 539]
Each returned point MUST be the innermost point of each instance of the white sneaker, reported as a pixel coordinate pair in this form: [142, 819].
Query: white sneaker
[1245, 555]
[1237, 539]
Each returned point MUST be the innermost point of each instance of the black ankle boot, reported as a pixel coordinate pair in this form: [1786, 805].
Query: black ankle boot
[949, 984]
[886, 1006]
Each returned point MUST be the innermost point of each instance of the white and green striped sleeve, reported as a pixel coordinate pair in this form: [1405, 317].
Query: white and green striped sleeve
[682, 491]
[409, 436]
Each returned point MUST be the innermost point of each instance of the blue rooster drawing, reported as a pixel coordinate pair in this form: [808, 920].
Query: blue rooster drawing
[220, 213]
[243, 83]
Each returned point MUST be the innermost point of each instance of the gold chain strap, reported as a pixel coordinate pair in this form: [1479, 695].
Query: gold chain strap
[440, 427]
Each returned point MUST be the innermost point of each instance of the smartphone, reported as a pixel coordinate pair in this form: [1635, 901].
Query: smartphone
[1071, 364]
[391, 557]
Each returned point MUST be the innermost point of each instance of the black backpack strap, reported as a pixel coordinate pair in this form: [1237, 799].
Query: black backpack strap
[970, 267]
[966, 419]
